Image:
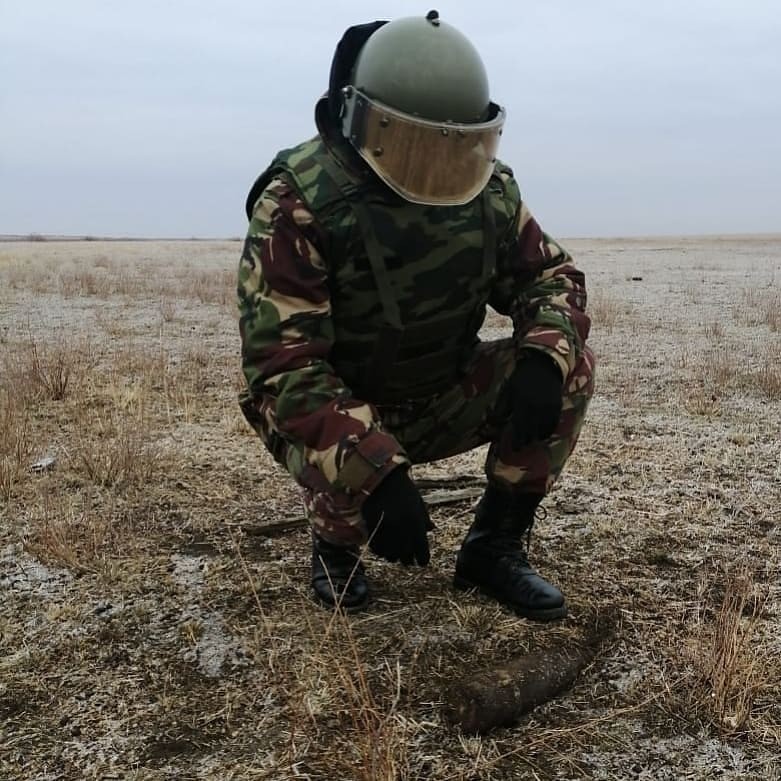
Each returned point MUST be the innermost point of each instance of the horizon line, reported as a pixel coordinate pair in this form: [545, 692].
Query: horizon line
[86, 237]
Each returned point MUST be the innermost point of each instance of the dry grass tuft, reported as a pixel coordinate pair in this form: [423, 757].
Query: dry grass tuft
[167, 309]
[38, 370]
[713, 329]
[51, 369]
[729, 669]
[373, 743]
[9, 476]
[702, 403]
[15, 443]
[715, 375]
[718, 374]
[605, 310]
[768, 378]
[85, 281]
[334, 681]
[760, 307]
[213, 287]
[119, 451]
[80, 539]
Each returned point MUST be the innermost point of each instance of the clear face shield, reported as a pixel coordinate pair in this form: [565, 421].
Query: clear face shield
[433, 163]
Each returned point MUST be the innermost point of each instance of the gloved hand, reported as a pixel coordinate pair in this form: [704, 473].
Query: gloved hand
[535, 388]
[397, 520]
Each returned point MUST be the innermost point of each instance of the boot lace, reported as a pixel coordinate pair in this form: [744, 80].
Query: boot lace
[509, 543]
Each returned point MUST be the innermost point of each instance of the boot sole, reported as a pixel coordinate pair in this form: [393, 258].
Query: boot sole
[547, 614]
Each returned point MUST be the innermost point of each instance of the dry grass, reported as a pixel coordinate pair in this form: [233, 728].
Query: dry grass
[51, 370]
[714, 330]
[374, 746]
[209, 288]
[768, 377]
[760, 307]
[119, 450]
[147, 630]
[167, 309]
[41, 369]
[733, 672]
[730, 673]
[719, 375]
[334, 679]
[15, 444]
[87, 282]
[78, 538]
[606, 310]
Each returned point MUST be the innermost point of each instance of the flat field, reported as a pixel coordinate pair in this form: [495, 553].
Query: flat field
[153, 626]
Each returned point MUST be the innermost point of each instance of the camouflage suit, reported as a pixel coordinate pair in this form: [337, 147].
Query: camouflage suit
[355, 365]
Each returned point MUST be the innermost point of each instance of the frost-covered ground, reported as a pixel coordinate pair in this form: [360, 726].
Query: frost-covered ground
[151, 629]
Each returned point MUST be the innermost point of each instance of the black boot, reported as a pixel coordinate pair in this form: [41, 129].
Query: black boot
[493, 558]
[338, 577]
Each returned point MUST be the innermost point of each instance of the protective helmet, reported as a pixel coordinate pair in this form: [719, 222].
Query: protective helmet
[417, 110]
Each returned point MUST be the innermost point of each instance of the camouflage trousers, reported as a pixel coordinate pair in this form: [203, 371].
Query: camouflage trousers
[475, 412]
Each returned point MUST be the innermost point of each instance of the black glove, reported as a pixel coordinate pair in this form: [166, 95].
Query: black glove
[397, 520]
[535, 390]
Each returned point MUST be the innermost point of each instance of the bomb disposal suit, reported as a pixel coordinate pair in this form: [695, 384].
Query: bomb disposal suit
[372, 253]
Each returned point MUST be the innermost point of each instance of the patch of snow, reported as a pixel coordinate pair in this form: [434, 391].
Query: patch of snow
[672, 759]
[214, 646]
[24, 574]
[189, 572]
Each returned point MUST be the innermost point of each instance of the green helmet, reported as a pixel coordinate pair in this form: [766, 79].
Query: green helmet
[425, 67]
[418, 111]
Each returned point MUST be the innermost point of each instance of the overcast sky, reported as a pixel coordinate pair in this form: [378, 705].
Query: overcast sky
[153, 118]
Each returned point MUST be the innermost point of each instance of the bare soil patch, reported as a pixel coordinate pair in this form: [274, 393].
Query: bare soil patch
[148, 631]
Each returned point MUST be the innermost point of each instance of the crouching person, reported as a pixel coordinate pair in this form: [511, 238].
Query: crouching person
[372, 252]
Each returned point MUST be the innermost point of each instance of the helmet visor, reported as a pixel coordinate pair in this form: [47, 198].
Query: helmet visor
[434, 163]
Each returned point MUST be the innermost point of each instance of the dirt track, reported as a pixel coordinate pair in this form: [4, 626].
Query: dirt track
[148, 631]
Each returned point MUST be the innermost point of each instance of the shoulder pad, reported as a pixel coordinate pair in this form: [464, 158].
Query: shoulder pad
[283, 162]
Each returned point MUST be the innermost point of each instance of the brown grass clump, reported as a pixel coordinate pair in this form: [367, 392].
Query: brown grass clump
[768, 378]
[374, 744]
[120, 450]
[704, 403]
[605, 310]
[713, 329]
[51, 369]
[732, 672]
[713, 376]
[37, 370]
[729, 669]
[213, 288]
[81, 281]
[78, 538]
[15, 443]
[167, 309]
[760, 307]
[334, 680]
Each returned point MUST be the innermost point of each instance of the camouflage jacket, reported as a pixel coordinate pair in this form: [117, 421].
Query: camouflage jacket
[308, 297]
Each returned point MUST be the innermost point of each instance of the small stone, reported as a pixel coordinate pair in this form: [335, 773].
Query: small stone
[45, 464]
